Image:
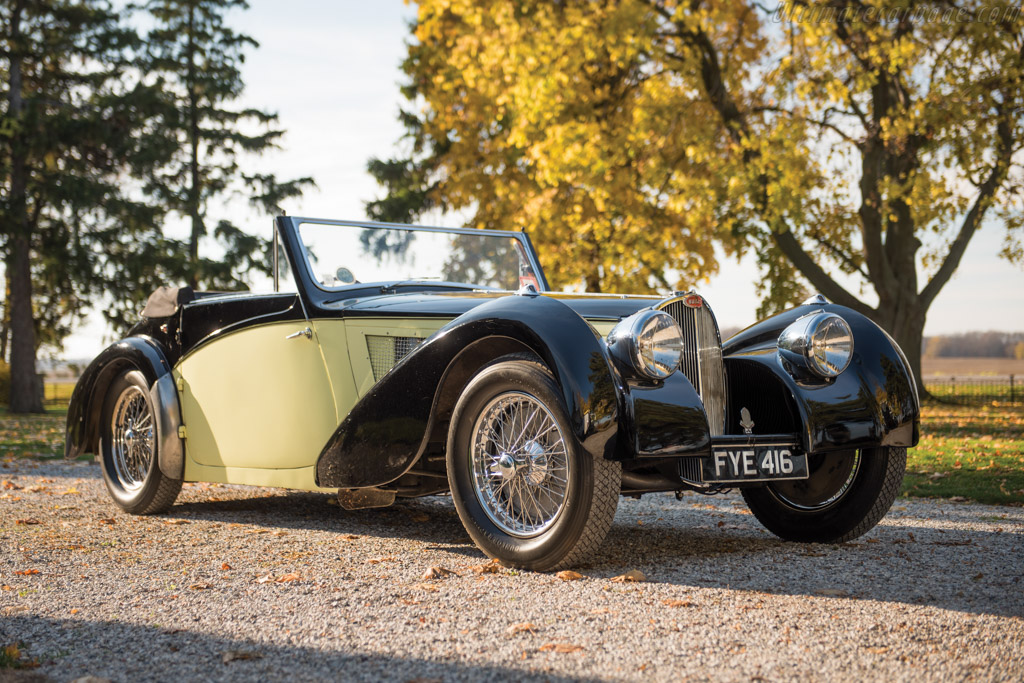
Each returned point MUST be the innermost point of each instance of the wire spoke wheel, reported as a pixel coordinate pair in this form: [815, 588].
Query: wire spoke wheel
[520, 464]
[132, 432]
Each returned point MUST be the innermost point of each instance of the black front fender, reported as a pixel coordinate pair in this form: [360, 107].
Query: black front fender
[82, 431]
[389, 428]
[873, 402]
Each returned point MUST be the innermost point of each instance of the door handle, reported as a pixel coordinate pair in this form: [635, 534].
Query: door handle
[307, 333]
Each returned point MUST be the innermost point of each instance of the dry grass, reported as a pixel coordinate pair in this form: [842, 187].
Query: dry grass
[972, 366]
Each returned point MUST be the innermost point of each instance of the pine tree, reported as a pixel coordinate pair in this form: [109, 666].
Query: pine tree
[197, 60]
[71, 131]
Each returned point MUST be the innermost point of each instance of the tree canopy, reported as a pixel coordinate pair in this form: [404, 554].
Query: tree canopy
[840, 141]
[196, 58]
[72, 126]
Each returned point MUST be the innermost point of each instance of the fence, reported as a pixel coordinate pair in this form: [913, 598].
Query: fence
[967, 389]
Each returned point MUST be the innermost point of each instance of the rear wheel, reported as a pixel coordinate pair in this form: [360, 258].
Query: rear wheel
[844, 497]
[526, 491]
[129, 449]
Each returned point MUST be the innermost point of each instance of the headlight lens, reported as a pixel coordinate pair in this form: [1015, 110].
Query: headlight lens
[821, 343]
[650, 342]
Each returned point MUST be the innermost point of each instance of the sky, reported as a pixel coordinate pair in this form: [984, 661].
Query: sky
[331, 72]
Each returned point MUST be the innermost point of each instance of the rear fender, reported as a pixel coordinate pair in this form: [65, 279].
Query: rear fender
[390, 428]
[143, 354]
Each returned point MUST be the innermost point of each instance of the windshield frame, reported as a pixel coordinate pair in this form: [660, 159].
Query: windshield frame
[289, 230]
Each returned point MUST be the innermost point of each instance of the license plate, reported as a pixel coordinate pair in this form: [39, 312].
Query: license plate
[737, 464]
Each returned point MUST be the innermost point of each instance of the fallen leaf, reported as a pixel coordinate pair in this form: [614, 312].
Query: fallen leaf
[5, 587]
[236, 655]
[70, 492]
[350, 537]
[419, 517]
[225, 567]
[561, 648]
[176, 522]
[491, 567]
[26, 572]
[677, 603]
[632, 576]
[877, 650]
[11, 486]
[436, 573]
[109, 521]
[265, 579]
[29, 521]
[977, 577]
[288, 578]
[74, 610]
[832, 592]
[525, 627]
[200, 586]
[429, 587]
[569, 575]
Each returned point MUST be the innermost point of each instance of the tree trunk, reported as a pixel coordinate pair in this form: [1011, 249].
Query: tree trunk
[24, 397]
[194, 194]
[905, 323]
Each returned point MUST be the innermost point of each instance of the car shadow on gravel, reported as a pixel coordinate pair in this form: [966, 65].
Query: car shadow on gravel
[974, 571]
[70, 649]
[425, 519]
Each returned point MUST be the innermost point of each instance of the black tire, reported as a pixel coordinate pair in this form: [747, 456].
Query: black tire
[130, 462]
[587, 500]
[846, 495]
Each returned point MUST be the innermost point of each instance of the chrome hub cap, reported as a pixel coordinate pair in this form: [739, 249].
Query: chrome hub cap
[520, 464]
[132, 438]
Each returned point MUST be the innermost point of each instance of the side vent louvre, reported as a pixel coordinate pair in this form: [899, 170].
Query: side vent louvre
[702, 358]
[385, 352]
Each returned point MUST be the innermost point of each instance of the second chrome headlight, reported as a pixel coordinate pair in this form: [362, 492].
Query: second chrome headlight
[650, 342]
[821, 343]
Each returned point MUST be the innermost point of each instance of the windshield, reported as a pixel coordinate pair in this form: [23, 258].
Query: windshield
[343, 255]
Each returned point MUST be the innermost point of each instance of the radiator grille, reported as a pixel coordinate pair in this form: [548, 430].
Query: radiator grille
[385, 352]
[690, 469]
[702, 358]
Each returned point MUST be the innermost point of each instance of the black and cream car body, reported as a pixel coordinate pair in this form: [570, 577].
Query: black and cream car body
[450, 366]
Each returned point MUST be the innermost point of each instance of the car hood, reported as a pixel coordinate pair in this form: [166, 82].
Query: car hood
[453, 304]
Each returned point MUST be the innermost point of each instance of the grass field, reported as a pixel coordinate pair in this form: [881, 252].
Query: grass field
[972, 452]
[966, 452]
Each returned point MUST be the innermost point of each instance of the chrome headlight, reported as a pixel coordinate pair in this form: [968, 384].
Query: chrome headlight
[650, 342]
[821, 343]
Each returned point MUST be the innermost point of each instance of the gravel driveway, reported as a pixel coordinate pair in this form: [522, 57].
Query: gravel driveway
[237, 583]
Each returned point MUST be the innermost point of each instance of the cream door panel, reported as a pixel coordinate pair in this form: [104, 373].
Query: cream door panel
[255, 399]
[334, 347]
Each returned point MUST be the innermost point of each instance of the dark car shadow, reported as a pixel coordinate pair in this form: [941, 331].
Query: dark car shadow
[125, 652]
[893, 563]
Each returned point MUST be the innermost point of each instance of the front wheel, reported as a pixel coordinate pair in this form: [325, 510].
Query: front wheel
[526, 491]
[844, 497]
[129, 449]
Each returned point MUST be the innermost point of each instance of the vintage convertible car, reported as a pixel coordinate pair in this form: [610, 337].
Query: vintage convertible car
[393, 361]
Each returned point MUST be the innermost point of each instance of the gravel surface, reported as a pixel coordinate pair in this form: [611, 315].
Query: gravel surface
[238, 583]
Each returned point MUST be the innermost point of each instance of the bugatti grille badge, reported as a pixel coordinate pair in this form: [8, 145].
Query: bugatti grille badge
[746, 422]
